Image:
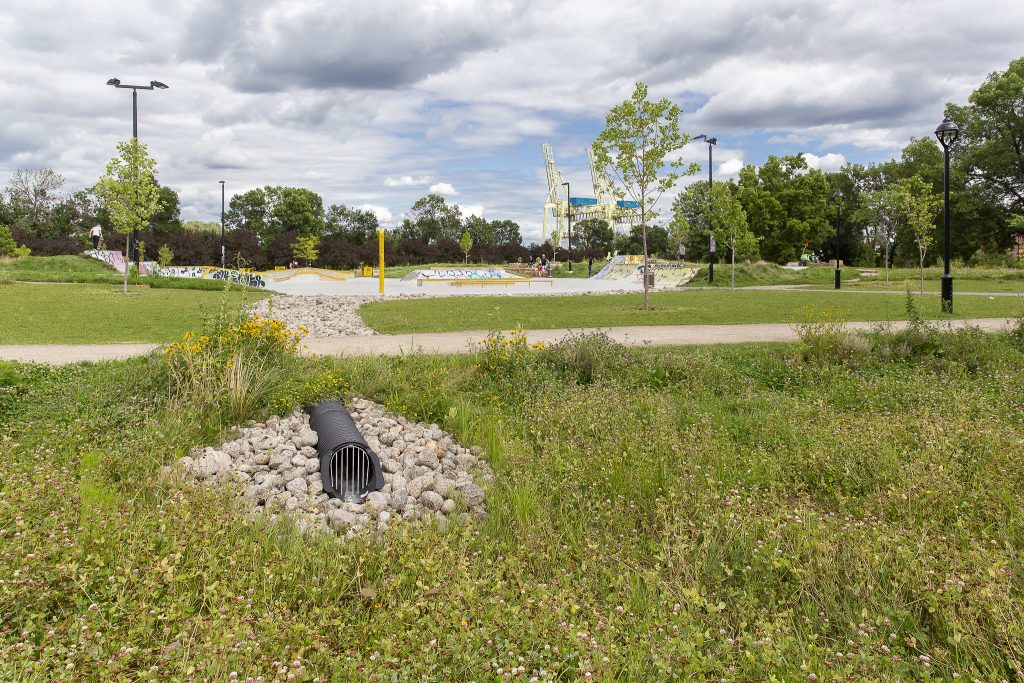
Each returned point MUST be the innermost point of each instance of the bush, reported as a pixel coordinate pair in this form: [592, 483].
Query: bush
[7, 244]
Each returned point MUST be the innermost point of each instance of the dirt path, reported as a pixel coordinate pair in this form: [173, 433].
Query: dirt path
[460, 342]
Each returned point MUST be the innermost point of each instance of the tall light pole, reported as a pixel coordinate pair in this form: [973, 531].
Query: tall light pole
[947, 133]
[568, 212]
[837, 198]
[713, 246]
[222, 259]
[153, 85]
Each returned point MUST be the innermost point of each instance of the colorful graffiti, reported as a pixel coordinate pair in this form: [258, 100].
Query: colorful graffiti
[459, 274]
[631, 267]
[114, 259]
[210, 273]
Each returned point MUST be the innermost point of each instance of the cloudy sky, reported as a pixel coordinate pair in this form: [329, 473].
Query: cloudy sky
[375, 104]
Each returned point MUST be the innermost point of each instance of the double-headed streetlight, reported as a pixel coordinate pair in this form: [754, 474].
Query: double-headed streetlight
[153, 85]
[713, 247]
[837, 198]
[947, 133]
[568, 212]
[222, 259]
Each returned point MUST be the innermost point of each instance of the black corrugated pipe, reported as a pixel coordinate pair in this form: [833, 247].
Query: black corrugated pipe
[348, 468]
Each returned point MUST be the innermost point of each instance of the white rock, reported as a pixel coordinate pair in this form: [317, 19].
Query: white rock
[420, 484]
[432, 500]
[377, 500]
[297, 486]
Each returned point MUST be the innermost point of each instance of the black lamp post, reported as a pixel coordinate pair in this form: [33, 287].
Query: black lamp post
[568, 212]
[153, 85]
[947, 133]
[713, 247]
[837, 197]
[222, 259]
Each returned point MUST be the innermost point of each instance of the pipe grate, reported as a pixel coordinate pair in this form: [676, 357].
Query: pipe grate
[351, 473]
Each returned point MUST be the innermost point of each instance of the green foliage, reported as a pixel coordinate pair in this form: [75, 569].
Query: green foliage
[466, 243]
[21, 251]
[991, 145]
[7, 244]
[431, 219]
[6, 278]
[164, 256]
[595, 234]
[786, 204]
[201, 226]
[695, 218]
[306, 248]
[358, 226]
[32, 199]
[128, 190]
[272, 210]
[638, 137]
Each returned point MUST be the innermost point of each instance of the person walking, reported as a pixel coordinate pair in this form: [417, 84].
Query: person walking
[97, 236]
[590, 266]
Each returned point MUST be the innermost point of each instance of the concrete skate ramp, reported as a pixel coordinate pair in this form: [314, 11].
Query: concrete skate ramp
[460, 274]
[630, 267]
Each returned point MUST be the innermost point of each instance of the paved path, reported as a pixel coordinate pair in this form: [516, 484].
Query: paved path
[460, 342]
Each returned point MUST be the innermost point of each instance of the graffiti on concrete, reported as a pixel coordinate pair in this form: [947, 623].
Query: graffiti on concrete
[114, 259]
[462, 273]
[209, 273]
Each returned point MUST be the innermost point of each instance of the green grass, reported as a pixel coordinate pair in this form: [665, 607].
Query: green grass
[668, 308]
[657, 514]
[82, 313]
[761, 273]
[87, 270]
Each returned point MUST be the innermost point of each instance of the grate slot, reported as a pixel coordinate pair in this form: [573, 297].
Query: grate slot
[350, 473]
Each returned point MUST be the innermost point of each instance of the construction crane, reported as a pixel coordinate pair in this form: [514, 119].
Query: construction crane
[620, 214]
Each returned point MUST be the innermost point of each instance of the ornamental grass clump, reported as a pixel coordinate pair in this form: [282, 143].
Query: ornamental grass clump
[229, 372]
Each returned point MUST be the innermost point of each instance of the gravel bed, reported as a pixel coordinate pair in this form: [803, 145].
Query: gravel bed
[426, 473]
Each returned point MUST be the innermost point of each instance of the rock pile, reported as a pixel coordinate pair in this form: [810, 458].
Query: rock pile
[426, 473]
[322, 316]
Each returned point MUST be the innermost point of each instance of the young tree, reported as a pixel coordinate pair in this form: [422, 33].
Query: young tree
[638, 137]
[128, 190]
[306, 248]
[888, 209]
[727, 217]
[7, 244]
[921, 207]
[466, 243]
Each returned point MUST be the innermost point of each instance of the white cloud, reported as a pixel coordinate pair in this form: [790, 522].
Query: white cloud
[406, 181]
[442, 188]
[382, 213]
[828, 162]
[472, 210]
[729, 167]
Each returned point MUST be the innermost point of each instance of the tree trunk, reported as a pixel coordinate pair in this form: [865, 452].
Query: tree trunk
[126, 242]
[922, 270]
[643, 222]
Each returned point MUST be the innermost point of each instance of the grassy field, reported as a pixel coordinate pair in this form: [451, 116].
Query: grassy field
[668, 308]
[831, 511]
[86, 270]
[83, 313]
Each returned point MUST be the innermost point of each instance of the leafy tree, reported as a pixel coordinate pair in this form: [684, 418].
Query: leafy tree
[990, 150]
[7, 244]
[77, 213]
[922, 207]
[595, 235]
[432, 220]
[128, 189]
[164, 256]
[639, 136]
[696, 219]
[506, 233]
[481, 231]
[298, 209]
[193, 225]
[466, 243]
[357, 226]
[306, 248]
[32, 196]
[250, 211]
[167, 218]
[786, 203]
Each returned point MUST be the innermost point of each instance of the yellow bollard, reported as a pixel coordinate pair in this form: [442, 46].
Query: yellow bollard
[380, 256]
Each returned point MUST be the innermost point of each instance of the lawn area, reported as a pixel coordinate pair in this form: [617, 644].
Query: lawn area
[91, 313]
[978, 279]
[686, 307]
[86, 270]
[747, 513]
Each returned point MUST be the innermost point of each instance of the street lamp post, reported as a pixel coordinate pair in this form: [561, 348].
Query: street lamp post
[153, 85]
[713, 248]
[223, 261]
[568, 213]
[947, 133]
[837, 198]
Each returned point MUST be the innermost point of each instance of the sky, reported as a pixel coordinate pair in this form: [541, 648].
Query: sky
[375, 104]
